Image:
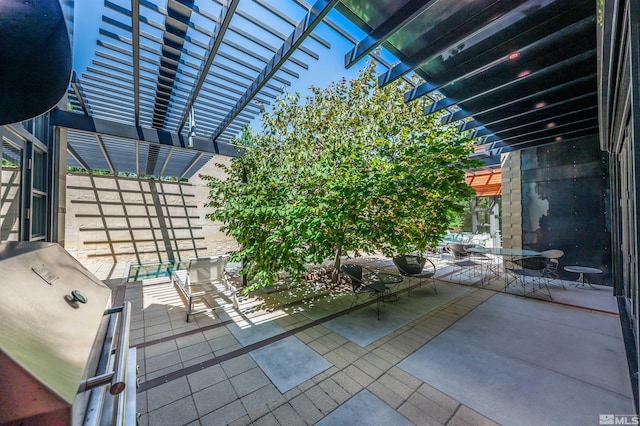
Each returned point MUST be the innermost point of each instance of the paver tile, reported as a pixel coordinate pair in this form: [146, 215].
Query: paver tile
[266, 396]
[396, 385]
[471, 417]
[206, 377]
[417, 416]
[213, 397]
[386, 394]
[238, 365]
[331, 387]
[224, 415]
[249, 381]
[179, 412]
[167, 393]
[286, 415]
[321, 399]
[306, 409]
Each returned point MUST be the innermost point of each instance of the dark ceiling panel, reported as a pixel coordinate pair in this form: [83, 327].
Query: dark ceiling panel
[582, 105]
[429, 36]
[509, 88]
[525, 27]
[495, 111]
[518, 73]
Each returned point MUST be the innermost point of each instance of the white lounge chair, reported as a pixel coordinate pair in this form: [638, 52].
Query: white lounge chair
[205, 276]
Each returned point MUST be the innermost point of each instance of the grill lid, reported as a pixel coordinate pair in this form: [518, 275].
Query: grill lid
[51, 309]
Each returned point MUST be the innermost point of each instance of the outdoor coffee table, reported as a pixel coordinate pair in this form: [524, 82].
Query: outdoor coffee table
[582, 270]
[389, 279]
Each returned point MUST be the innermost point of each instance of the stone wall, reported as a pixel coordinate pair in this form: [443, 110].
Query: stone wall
[511, 201]
[114, 219]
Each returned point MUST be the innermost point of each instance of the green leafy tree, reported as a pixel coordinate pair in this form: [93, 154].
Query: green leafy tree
[352, 168]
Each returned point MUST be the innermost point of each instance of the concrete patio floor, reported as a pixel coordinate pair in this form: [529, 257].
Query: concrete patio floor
[469, 355]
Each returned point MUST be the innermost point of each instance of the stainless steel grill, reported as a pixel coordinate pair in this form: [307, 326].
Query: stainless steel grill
[64, 352]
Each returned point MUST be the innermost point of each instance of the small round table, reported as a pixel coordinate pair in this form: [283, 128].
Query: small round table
[387, 278]
[582, 270]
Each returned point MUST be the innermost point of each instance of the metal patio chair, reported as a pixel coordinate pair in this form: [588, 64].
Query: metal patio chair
[529, 271]
[551, 269]
[365, 282]
[462, 259]
[414, 266]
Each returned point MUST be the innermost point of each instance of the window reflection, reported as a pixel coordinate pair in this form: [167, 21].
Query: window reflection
[10, 192]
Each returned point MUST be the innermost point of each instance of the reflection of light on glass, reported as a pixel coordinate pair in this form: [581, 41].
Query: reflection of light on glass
[558, 138]
[535, 206]
[514, 55]
[550, 125]
[523, 73]
[540, 104]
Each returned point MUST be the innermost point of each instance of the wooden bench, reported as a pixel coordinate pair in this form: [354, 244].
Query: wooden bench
[205, 276]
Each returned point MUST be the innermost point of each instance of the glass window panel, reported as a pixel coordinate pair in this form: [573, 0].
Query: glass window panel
[40, 128]
[39, 171]
[38, 215]
[10, 192]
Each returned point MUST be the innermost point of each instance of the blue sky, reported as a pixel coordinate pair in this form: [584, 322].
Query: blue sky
[329, 67]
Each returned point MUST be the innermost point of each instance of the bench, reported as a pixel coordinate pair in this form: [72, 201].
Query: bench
[205, 276]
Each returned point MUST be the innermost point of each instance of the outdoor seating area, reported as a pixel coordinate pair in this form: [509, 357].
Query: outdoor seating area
[296, 354]
[335, 212]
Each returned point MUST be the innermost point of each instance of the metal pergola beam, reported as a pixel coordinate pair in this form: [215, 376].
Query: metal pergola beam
[105, 153]
[543, 115]
[77, 89]
[228, 12]
[92, 125]
[344, 34]
[135, 51]
[262, 25]
[286, 18]
[151, 71]
[507, 108]
[195, 42]
[405, 14]
[302, 30]
[166, 161]
[548, 75]
[192, 163]
[527, 134]
[78, 158]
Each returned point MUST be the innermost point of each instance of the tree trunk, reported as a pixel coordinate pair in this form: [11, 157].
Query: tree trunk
[336, 264]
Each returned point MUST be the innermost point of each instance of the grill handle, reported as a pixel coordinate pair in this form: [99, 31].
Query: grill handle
[118, 382]
[117, 377]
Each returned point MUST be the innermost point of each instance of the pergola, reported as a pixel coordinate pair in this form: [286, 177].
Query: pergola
[513, 74]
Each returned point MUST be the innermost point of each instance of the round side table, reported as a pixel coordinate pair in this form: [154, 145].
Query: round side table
[582, 270]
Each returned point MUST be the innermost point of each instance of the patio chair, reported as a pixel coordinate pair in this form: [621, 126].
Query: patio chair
[203, 277]
[551, 269]
[531, 273]
[365, 282]
[462, 259]
[414, 266]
